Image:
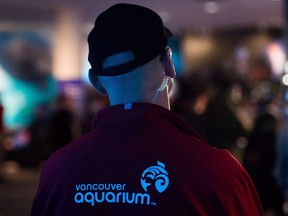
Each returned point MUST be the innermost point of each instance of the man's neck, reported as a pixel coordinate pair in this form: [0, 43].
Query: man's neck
[161, 100]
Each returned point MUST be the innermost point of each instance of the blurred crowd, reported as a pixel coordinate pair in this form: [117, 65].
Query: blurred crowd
[232, 110]
[242, 114]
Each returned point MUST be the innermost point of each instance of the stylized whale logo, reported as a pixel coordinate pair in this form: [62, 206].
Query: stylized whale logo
[158, 175]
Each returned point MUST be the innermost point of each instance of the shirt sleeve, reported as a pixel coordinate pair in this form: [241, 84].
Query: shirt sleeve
[244, 199]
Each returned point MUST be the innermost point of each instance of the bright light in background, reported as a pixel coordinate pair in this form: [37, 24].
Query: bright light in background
[211, 7]
[285, 80]
[196, 46]
[67, 45]
[285, 76]
[276, 55]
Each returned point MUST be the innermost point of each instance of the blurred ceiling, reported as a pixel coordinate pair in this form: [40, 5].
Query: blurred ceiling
[178, 15]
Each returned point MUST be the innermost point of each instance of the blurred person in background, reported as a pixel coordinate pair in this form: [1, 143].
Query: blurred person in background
[259, 160]
[53, 129]
[140, 158]
[63, 125]
[204, 101]
[260, 154]
[224, 127]
[191, 98]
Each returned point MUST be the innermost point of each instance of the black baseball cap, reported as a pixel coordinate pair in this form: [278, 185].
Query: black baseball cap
[126, 27]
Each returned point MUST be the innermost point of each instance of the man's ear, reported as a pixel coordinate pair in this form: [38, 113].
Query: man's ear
[166, 58]
[93, 78]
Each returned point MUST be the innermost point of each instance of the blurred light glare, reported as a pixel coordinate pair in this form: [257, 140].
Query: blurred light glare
[276, 56]
[211, 7]
[197, 47]
[285, 79]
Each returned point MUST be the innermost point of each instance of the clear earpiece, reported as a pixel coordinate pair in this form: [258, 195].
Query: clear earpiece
[161, 88]
[164, 83]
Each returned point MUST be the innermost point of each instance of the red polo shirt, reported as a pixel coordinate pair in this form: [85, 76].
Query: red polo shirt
[141, 159]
